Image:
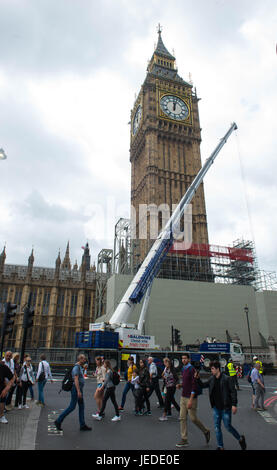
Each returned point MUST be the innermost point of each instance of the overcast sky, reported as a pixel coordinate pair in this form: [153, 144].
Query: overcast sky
[69, 72]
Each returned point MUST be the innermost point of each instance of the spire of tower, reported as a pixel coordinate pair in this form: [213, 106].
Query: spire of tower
[2, 258]
[66, 261]
[31, 258]
[86, 257]
[161, 50]
[58, 260]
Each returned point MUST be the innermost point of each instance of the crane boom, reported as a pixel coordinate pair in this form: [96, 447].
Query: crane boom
[152, 262]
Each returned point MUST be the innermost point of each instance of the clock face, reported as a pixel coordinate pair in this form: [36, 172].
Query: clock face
[174, 107]
[137, 119]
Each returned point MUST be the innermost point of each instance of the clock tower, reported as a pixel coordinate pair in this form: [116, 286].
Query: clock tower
[165, 158]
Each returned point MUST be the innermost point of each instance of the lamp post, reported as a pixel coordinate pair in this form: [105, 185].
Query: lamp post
[246, 309]
[3, 156]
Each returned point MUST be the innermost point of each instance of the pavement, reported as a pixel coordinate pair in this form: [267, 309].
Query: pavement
[20, 431]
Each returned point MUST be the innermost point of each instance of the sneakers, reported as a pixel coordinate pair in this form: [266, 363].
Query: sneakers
[20, 407]
[147, 413]
[85, 428]
[58, 425]
[26, 406]
[3, 420]
[95, 415]
[242, 443]
[120, 408]
[98, 417]
[163, 418]
[116, 418]
[182, 443]
[207, 436]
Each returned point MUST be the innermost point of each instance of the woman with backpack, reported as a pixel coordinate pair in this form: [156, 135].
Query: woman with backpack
[171, 379]
[109, 392]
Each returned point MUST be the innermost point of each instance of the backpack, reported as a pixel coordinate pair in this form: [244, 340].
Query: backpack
[249, 376]
[115, 378]
[42, 374]
[67, 381]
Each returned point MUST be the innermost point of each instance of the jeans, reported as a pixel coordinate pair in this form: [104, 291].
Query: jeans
[128, 386]
[41, 386]
[259, 396]
[226, 416]
[72, 406]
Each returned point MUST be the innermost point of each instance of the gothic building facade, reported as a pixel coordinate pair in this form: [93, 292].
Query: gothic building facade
[63, 299]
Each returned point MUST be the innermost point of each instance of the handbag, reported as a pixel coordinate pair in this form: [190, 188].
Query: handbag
[42, 374]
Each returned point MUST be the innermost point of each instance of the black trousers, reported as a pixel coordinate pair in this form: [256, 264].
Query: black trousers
[10, 394]
[25, 388]
[144, 397]
[154, 386]
[137, 395]
[109, 393]
[169, 399]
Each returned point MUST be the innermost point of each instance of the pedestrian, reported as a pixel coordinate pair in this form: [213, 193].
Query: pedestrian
[154, 381]
[9, 362]
[100, 373]
[171, 380]
[109, 392]
[137, 392]
[128, 385]
[27, 378]
[252, 386]
[144, 380]
[189, 402]
[17, 369]
[256, 360]
[77, 395]
[258, 383]
[43, 374]
[31, 385]
[232, 373]
[5, 375]
[223, 400]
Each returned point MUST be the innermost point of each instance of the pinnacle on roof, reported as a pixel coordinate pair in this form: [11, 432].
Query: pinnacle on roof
[161, 49]
[66, 262]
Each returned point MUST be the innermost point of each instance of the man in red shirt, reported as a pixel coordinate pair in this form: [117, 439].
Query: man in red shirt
[188, 403]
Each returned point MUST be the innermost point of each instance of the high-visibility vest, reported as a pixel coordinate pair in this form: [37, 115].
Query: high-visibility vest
[261, 370]
[232, 370]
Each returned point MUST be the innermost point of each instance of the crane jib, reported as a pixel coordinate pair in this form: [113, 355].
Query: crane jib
[151, 270]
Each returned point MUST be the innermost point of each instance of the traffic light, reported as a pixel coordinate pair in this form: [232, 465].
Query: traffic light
[7, 322]
[177, 337]
[9, 313]
[28, 315]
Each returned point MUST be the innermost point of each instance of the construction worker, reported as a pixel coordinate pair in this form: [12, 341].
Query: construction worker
[233, 373]
[255, 361]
